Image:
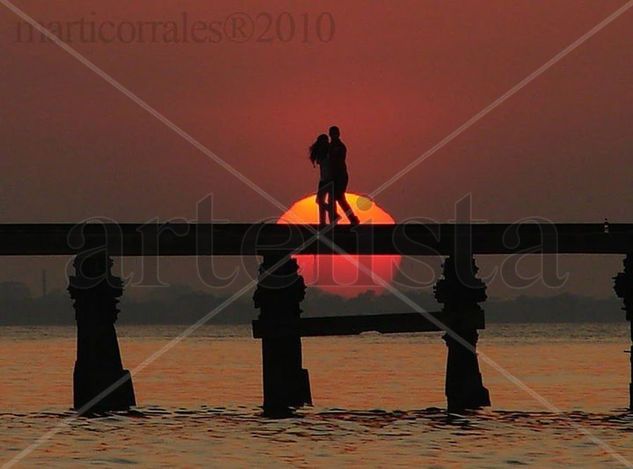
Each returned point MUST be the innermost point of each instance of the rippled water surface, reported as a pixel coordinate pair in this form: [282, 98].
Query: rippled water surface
[378, 401]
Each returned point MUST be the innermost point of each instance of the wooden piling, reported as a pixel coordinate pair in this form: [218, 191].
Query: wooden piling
[460, 292]
[99, 381]
[279, 293]
[623, 287]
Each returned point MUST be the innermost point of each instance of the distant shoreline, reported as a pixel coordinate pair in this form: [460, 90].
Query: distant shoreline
[183, 306]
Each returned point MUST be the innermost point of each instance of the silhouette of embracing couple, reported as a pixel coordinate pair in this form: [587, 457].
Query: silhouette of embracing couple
[329, 154]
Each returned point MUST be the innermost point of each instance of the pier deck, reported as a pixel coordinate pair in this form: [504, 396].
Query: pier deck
[237, 239]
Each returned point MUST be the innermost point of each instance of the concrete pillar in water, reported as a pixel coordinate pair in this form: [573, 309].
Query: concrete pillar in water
[460, 291]
[624, 289]
[280, 290]
[98, 368]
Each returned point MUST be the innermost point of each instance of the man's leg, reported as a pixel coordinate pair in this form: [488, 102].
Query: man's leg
[331, 206]
[341, 186]
[349, 213]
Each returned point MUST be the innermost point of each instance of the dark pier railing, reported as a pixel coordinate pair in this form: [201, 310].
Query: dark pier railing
[101, 382]
[239, 239]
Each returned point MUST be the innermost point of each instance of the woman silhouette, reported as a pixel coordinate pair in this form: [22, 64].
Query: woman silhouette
[319, 155]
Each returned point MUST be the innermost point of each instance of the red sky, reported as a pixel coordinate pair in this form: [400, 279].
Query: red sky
[396, 77]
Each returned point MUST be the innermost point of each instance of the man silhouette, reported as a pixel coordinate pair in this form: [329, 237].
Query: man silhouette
[338, 169]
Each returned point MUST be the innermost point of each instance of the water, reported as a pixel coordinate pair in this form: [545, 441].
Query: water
[378, 401]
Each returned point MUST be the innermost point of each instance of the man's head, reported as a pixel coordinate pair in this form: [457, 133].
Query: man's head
[334, 132]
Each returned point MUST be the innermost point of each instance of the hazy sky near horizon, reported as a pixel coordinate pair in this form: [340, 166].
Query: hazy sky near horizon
[397, 77]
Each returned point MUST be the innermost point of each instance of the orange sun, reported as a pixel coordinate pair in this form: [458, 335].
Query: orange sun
[336, 274]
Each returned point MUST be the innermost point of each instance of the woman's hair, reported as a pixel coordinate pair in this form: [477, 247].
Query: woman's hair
[319, 148]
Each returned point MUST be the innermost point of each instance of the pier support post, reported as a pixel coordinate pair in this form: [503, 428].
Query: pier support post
[460, 291]
[95, 292]
[624, 289]
[280, 290]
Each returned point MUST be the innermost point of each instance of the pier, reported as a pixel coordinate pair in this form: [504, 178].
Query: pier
[95, 291]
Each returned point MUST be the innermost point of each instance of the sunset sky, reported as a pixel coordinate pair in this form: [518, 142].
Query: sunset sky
[396, 79]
